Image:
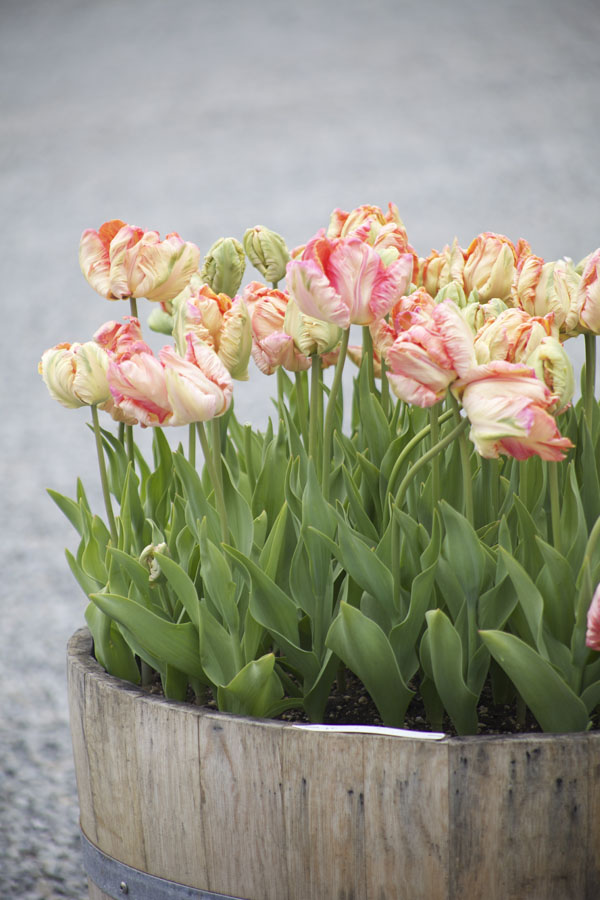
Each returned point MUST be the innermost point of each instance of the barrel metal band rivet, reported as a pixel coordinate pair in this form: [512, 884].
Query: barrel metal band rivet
[116, 879]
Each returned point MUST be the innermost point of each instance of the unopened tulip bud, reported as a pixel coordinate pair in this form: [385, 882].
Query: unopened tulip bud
[313, 337]
[552, 365]
[235, 340]
[453, 291]
[490, 266]
[267, 251]
[160, 321]
[224, 266]
[477, 314]
[148, 560]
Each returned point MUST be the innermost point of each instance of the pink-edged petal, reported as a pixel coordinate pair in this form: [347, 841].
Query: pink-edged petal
[592, 635]
[312, 291]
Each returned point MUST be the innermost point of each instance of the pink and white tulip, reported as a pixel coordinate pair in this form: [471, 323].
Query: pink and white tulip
[508, 408]
[512, 336]
[425, 359]
[541, 288]
[75, 374]
[490, 266]
[198, 387]
[122, 261]
[588, 300]
[272, 345]
[345, 281]
[592, 634]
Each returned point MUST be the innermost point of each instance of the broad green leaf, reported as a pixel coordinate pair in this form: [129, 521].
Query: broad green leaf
[220, 652]
[463, 551]
[497, 604]
[446, 652]
[253, 691]
[175, 644]
[530, 599]
[239, 514]
[373, 419]
[365, 649]
[197, 505]
[85, 581]
[555, 706]
[182, 586]
[110, 648]
[69, 507]
[404, 636]
[557, 586]
[573, 525]
[133, 569]
[591, 697]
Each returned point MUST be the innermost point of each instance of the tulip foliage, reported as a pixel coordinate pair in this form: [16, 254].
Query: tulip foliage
[436, 531]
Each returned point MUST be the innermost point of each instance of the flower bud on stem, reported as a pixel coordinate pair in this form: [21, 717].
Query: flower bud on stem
[103, 476]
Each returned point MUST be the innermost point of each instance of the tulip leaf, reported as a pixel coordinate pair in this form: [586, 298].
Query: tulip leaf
[557, 586]
[463, 551]
[365, 649]
[404, 636]
[220, 652]
[555, 706]
[572, 521]
[175, 644]
[253, 691]
[134, 570]
[110, 647]
[70, 509]
[530, 600]
[197, 505]
[182, 585]
[497, 604]
[446, 653]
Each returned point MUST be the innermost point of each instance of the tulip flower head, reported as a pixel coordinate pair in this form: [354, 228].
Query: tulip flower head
[272, 345]
[588, 300]
[512, 336]
[490, 265]
[508, 408]
[541, 288]
[75, 374]
[121, 261]
[426, 358]
[592, 635]
[345, 281]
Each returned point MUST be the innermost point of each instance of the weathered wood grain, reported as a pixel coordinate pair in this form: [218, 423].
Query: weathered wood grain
[242, 807]
[323, 784]
[519, 817]
[406, 819]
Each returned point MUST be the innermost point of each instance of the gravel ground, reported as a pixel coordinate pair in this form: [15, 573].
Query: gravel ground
[205, 118]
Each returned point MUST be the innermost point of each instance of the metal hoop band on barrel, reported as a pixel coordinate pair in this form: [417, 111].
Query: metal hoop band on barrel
[122, 882]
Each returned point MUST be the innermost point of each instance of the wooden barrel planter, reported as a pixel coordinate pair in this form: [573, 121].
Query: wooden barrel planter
[180, 802]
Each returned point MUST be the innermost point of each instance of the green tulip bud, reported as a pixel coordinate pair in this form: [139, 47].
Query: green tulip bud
[311, 336]
[452, 291]
[224, 266]
[160, 321]
[553, 366]
[267, 251]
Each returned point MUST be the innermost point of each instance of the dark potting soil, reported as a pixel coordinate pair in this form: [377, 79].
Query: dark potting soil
[351, 704]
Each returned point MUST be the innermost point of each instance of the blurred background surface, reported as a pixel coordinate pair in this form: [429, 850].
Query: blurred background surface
[206, 118]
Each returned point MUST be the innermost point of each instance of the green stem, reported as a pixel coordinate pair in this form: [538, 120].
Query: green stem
[192, 445]
[133, 307]
[368, 353]
[410, 446]
[423, 460]
[122, 432]
[590, 378]
[465, 462]
[301, 403]
[523, 482]
[280, 392]
[385, 389]
[248, 455]
[489, 471]
[314, 425]
[130, 444]
[217, 482]
[435, 462]
[104, 477]
[330, 414]
[554, 505]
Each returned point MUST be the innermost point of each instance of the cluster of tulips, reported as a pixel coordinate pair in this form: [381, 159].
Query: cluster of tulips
[474, 335]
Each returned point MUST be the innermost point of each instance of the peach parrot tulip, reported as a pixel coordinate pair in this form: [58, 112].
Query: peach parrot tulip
[121, 261]
[345, 281]
[490, 266]
[507, 407]
[512, 336]
[75, 374]
[589, 294]
[272, 345]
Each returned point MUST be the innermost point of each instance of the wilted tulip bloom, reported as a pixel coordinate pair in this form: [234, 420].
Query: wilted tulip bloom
[507, 407]
[224, 266]
[267, 251]
[122, 261]
[592, 634]
[552, 365]
[553, 287]
[345, 281]
[439, 269]
[272, 346]
[490, 266]
[75, 374]
[425, 359]
[588, 300]
[512, 336]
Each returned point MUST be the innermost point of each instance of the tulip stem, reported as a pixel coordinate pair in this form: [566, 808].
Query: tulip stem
[192, 445]
[314, 424]
[368, 354]
[554, 505]
[590, 378]
[465, 462]
[104, 477]
[216, 477]
[385, 389]
[423, 460]
[122, 432]
[435, 462]
[410, 446]
[133, 307]
[331, 412]
[301, 406]
[130, 444]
